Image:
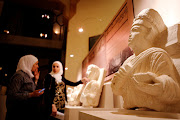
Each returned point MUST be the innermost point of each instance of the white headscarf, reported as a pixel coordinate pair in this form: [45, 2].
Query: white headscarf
[57, 76]
[26, 63]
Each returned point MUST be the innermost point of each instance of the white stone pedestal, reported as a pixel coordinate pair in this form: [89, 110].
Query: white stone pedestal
[106, 103]
[106, 100]
[127, 115]
[72, 113]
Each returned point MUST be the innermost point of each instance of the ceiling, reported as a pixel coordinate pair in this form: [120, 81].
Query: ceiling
[50, 5]
[45, 4]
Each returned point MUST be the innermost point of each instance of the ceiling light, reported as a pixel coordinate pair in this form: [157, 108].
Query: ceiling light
[41, 34]
[71, 55]
[66, 68]
[45, 35]
[80, 29]
[48, 17]
[56, 32]
[6, 31]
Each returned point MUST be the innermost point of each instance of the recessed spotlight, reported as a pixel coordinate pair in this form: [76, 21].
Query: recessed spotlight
[71, 55]
[66, 68]
[81, 30]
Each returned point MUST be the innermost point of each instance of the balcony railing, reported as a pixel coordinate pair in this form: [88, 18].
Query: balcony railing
[32, 22]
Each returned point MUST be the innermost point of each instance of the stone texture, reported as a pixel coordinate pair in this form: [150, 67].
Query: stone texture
[127, 115]
[74, 94]
[150, 78]
[92, 91]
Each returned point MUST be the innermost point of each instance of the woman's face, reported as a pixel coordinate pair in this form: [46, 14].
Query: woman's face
[56, 68]
[35, 66]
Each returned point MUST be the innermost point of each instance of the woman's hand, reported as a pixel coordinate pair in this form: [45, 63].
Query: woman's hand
[85, 80]
[36, 93]
[54, 110]
[36, 76]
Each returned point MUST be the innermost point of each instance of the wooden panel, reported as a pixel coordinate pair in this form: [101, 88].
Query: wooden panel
[30, 41]
[111, 49]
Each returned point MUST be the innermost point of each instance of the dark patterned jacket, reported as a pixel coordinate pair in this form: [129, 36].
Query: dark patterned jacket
[18, 101]
[49, 94]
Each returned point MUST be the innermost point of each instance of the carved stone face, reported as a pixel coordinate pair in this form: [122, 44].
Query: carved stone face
[146, 26]
[92, 72]
[139, 39]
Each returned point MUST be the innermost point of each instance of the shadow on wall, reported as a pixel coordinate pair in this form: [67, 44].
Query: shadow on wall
[118, 60]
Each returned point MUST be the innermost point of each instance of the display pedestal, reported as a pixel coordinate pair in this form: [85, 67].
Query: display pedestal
[72, 113]
[127, 115]
[107, 98]
[106, 103]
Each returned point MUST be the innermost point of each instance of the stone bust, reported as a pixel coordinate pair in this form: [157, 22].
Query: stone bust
[92, 91]
[148, 79]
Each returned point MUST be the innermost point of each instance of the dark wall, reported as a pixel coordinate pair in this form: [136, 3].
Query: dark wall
[10, 55]
[26, 21]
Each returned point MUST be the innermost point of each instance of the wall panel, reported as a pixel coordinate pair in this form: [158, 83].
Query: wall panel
[111, 49]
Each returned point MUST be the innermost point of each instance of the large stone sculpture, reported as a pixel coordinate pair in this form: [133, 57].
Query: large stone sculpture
[148, 79]
[92, 91]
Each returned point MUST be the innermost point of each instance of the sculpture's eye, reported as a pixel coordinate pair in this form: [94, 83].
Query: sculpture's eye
[136, 29]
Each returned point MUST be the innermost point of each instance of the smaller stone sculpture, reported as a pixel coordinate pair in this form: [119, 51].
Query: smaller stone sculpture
[92, 91]
[74, 94]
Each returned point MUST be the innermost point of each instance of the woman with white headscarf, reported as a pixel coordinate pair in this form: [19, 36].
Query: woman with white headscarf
[21, 92]
[55, 90]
